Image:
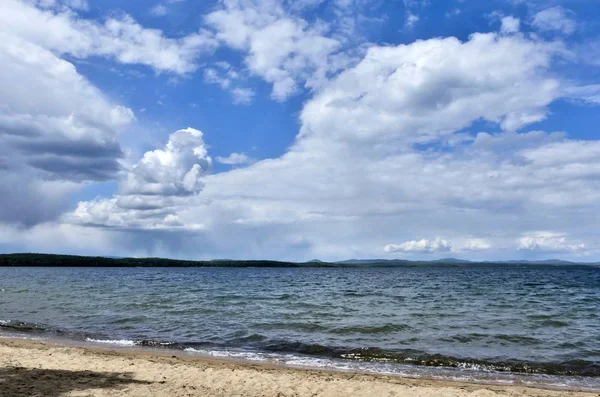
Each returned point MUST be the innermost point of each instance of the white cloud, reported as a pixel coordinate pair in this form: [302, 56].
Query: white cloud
[63, 131]
[475, 245]
[119, 38]
[152, 189]
[58, 132]
[589, 94]
[301, 54]
[427, 89]
[212, 76]
[229, 79]
[510, 25]
[566, 162]
[175, 170]
[159, 10]
[505, 144]
[354, 173]
[412, 8]
[417, 3]
[121, 115]
[411, 21]
[455, 12]
[437, 245]
[555, 18]
[420, 246]
[549, 242]
[78, 4]
[235, 159]
[242, 96]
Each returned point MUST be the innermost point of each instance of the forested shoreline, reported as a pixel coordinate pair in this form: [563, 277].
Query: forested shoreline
[53, 260]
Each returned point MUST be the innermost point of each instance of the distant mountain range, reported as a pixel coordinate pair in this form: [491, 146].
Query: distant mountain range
[459, 261]
[30, 260]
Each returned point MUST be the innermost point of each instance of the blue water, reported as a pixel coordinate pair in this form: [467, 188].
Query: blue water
[509, 324]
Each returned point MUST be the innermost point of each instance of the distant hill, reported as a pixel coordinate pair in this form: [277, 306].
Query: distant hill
[443, 260]
[452, 260]
[547, 262]
[32, 260]
[360, 261]
[465, 261]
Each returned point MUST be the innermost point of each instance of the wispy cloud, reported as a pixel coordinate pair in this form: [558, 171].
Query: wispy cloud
[159, 10]
[235, 159]
[557, 19]
[230, 80]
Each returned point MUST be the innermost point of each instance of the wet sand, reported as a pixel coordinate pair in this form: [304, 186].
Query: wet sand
[29, 368]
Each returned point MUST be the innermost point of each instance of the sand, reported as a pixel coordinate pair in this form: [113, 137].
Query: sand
[50, 370]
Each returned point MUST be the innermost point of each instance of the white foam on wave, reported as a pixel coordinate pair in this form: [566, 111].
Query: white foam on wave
[464, 374]
[14, 336]
[241, 355]
[116, 342]
[302, 361]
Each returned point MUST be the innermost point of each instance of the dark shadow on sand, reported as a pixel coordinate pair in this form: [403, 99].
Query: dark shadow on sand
[19, 381]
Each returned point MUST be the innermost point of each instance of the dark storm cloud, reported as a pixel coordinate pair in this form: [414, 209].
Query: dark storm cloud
[80, 148]
[64, 159]
[76, 169]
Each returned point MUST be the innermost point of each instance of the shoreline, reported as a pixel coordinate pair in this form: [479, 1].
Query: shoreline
[471, 373]
[28, 367]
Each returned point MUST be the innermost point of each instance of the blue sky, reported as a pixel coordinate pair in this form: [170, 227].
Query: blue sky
[296, 130]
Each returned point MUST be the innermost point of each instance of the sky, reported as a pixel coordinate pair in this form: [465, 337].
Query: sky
[300, 130]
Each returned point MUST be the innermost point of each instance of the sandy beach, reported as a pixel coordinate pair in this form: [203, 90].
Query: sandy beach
[45, 369]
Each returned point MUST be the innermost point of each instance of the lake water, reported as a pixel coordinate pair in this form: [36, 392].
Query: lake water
[507, 324]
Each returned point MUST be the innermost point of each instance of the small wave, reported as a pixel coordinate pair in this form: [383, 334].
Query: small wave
[126, 320]
[22, 326]
[519, 339]
[138, 343]
[466, 338]
[242, 355]
[414, 357]
[440, 368]
[359, 329]
[116, 342]
[540, 316]
[295, 326]
[555, 323]
[532, 284]
[260, 346]
[298, 347]
[548, 320]
[357, 294]
[251, 338]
